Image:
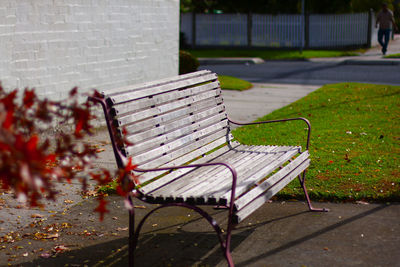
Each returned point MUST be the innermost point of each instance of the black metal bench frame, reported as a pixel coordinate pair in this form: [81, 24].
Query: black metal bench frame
[235, 203]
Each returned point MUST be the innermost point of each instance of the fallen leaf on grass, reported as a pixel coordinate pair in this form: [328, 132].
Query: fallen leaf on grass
[37, 215]
[68, 201]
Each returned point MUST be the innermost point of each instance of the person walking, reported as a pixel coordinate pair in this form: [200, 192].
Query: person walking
[385, 20]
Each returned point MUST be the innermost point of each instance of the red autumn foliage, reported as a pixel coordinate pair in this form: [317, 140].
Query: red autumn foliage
[33, 156]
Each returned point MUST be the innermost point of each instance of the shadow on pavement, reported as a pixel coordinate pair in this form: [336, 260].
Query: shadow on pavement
[164, 249]
[310, 236]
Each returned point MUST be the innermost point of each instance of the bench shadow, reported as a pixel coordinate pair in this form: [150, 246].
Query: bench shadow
[310, 236]
[155, 249]
[182, 248]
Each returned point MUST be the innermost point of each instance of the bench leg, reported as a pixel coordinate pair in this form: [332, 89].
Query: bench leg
[303, 185]
[224, 243]
[132, 243]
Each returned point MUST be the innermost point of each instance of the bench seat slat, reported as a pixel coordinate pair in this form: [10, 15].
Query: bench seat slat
[255, 170]
[193, 179]
[200, 176]
[247, 182]
[258, 190]
[258, 202]
[220, 186]
[219, 179]
[151, 187]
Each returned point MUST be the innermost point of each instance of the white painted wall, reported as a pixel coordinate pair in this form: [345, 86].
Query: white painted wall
[54, 45]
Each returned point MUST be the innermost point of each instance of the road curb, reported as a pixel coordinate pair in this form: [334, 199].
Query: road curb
[230, 60]
[382, 62]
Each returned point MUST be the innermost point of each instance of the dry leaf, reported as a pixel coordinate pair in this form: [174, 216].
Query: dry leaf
[68, 201]
[37, 215]
[60, 249]
[50, 236]
[45, 255]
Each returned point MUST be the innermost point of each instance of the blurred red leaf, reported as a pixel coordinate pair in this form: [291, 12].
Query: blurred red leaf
[29, 97]
[8, 120]
[101, 208]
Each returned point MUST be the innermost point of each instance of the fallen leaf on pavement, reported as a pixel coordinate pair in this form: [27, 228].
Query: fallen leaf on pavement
[37, 215]
[60, 249]
[45, 255]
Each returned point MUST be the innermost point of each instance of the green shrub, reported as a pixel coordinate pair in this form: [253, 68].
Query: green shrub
[187, 62]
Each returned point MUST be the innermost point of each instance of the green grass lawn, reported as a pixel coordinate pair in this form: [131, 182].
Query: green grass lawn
[232, 83]
[272, 54]
[355, 141]
[393, 56]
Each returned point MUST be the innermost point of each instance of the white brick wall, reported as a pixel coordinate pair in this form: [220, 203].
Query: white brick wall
[54, 45]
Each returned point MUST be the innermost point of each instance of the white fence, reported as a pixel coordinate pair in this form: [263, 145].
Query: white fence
[284, 31]
[277, 31]
[338, 30]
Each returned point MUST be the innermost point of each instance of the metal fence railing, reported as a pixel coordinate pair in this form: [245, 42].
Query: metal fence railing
[273, 31]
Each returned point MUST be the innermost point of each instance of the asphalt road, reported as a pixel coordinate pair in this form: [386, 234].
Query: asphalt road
[310, 73]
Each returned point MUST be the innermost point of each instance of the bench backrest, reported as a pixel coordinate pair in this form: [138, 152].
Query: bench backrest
[171, 121]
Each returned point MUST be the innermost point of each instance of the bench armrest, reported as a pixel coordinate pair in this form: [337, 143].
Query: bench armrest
[227, 165]
[281, 120]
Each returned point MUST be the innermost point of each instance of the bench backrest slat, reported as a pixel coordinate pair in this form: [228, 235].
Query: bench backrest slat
[206, 99]
[161, 135]
[118, 90]
[188, 142]
[170, 86]
[170, 121]
[157, 100]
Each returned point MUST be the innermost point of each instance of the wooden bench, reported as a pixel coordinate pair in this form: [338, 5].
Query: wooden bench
[186, 155]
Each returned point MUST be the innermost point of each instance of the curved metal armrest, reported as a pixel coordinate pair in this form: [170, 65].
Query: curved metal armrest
[281, 120]
[231, 169]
